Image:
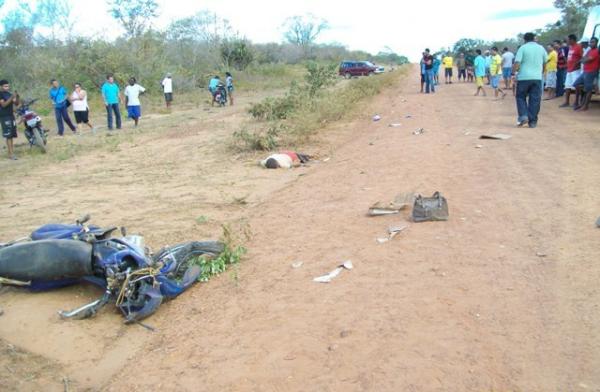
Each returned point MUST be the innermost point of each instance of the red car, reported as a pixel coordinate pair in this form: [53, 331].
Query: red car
[349, 69]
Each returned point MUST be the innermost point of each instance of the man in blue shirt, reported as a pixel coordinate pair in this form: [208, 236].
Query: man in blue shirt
[479, 67]
[530, 63]
[58, 96]
[112, 98]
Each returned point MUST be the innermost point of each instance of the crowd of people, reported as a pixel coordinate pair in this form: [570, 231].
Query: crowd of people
[112, 96]
[562, 68]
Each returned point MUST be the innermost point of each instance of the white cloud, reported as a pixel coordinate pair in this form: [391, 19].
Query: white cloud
[406, 27]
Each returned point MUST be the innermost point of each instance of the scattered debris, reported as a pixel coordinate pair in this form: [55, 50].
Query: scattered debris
[434, 208]
[345, 334]
[496, 136]
[478, 146]
[467, 133]
[376, 117]
[400, 202]
[326, 159]
[541, 254]
[395, 125]
[328, 277]
[408, 116]
[419, 131]
[297, 264]
[392, 232]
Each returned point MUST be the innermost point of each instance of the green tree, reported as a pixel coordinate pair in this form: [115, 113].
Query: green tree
[135, 15]
[574, 13]
[237, 53]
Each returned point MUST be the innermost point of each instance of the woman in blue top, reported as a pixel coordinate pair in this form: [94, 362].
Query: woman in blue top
[58, 96]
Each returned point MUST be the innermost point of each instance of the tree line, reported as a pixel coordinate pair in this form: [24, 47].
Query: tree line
[37, 44]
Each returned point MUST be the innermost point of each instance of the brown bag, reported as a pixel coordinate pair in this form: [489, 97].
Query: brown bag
[434, 208]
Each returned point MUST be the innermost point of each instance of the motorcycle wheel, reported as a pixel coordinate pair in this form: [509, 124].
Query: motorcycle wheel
[39, 139]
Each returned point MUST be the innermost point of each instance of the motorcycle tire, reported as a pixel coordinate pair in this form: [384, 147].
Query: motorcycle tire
[39, 139]
[46, 260]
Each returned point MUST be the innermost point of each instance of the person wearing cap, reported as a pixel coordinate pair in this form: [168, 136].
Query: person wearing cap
[585, 83]
[573, 68]
[530, 64]
[167, 85]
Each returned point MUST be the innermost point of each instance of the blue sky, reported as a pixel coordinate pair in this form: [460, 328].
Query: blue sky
[405, 26]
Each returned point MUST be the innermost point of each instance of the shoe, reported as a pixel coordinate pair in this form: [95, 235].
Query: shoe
[532, 124]
[522, 123]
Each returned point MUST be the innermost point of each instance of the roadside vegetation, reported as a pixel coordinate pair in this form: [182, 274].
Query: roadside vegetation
[308, 105]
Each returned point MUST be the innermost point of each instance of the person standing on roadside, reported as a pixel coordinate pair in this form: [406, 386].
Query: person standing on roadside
[496, 72]
[479, 68]
[422, 65]
[585, 82]
[132, 100]
[448, 62]
[436, 69]
[80, 107]
[112, 97]
[7, 116]
[429, 79]
[58, 96]
[551, 69]
[561, 68]
[530, 63]
[461, 66]
[229, 86]
[167, 85]
[573, 68]
[488, 62]
[507, 63]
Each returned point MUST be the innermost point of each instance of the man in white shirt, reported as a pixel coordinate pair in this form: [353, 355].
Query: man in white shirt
[167, 85]
[507, 63]
[132, 100]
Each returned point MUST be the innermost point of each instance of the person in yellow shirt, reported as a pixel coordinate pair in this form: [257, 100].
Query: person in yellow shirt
[496, 72]
[448, 64]
[551, 69]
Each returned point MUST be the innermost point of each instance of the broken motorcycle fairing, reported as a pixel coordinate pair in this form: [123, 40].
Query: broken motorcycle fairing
[57, 255]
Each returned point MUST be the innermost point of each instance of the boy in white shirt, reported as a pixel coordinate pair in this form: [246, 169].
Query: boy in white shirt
[132, 100]
[167, 85]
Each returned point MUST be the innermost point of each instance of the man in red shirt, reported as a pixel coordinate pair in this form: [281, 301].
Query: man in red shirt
[591, 65]
[573, 68]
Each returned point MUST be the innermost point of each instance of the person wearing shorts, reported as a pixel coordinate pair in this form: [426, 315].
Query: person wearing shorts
[507, 62]
[229, 86]
[80, 107]
[585, 83]
[480, 71]
[448, 64]
[132, 100]
[7, 116]
[573, 68]
[496, 72]
[167, 85]
[461, 66]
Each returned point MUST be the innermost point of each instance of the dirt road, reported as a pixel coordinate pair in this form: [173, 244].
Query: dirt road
[503, 296]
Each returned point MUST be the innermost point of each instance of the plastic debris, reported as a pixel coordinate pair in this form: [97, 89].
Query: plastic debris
[328, 277]
[395, 125]
[479, 146]
[392, 232]
[419, 131]
[496, 136]
[376, 117]
[400, 202]
[297, 264]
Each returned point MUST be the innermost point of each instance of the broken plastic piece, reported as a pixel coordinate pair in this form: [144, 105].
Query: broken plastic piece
[376, 117]
[328, 277]
[496, 136]
[400, 202]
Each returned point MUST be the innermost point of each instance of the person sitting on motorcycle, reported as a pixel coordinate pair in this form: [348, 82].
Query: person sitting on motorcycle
[213, 87]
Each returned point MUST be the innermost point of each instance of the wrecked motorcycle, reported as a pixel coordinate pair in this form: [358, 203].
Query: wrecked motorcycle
[137, 281]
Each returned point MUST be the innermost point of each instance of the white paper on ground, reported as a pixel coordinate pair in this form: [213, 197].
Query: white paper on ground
[328, 277]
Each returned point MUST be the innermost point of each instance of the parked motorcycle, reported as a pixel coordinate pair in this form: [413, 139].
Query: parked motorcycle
[34, 133]
[137, 281]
